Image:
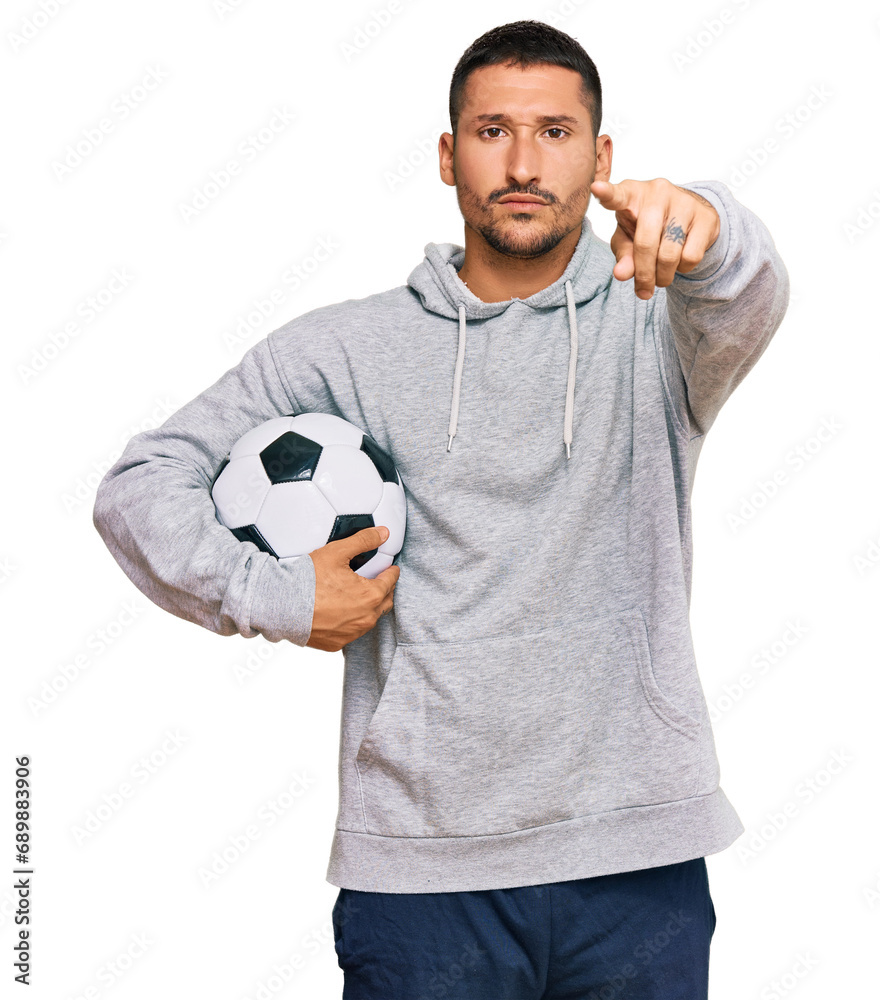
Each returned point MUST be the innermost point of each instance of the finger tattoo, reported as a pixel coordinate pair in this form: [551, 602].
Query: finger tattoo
[674, 232]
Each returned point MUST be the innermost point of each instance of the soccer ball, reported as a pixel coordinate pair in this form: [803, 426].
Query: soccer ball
[294, 483]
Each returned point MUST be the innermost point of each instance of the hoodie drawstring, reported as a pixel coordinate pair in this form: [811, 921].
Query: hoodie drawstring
[572, 368]
[572, 365]
[456, 385]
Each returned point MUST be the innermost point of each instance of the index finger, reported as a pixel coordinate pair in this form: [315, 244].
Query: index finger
[389, 577]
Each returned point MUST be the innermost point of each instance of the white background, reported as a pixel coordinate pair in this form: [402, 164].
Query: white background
[681, 102]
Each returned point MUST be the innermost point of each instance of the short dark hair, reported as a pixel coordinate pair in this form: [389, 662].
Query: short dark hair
[527, 43]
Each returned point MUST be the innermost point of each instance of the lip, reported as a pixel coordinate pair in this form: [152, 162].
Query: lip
[523, 206]
[522, 197]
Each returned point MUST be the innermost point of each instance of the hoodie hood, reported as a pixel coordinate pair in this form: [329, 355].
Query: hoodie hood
[442, 291]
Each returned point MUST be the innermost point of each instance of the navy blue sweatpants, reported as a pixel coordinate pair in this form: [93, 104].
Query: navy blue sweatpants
[639, 935]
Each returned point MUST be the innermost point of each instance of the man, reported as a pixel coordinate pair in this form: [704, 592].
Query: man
[528, 777]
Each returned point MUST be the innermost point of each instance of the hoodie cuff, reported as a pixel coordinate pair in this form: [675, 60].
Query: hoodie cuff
[716, 254]
[282, 601]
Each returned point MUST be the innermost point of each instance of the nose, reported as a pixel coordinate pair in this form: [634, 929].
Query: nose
[524, 166]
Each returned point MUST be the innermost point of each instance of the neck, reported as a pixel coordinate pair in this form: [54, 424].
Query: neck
[496, 277]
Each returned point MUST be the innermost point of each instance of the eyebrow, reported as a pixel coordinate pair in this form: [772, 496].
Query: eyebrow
[540, 119]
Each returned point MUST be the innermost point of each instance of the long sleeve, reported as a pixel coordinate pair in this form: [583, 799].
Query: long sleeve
[154, 511]
[714, 323]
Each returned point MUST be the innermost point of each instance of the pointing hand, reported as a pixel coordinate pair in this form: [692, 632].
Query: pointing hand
[662, 230]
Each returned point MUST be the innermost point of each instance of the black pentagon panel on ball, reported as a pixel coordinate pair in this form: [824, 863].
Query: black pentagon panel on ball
[345, 526]
[380, 459]
[223, 465]
[290, 458]
[251, 533]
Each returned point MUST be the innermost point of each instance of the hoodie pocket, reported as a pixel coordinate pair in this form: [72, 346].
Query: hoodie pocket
[509, 732]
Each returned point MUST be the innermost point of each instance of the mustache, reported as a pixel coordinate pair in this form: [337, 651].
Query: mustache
[531, 194]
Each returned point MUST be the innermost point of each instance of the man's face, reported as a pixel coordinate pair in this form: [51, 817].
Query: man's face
[523, 131]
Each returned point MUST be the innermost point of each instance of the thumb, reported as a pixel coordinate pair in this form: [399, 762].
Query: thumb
[610, 196]
[622, 247]
[360, 541]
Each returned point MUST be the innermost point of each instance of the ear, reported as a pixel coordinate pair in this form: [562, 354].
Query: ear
[604, 151]
[445, 149]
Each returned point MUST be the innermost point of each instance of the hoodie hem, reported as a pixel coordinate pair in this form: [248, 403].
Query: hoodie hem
[601, 844]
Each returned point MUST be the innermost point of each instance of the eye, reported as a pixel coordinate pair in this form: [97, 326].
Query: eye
[553, 128]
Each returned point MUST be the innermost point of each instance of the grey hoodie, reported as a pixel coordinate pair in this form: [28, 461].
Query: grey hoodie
[530, 710]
